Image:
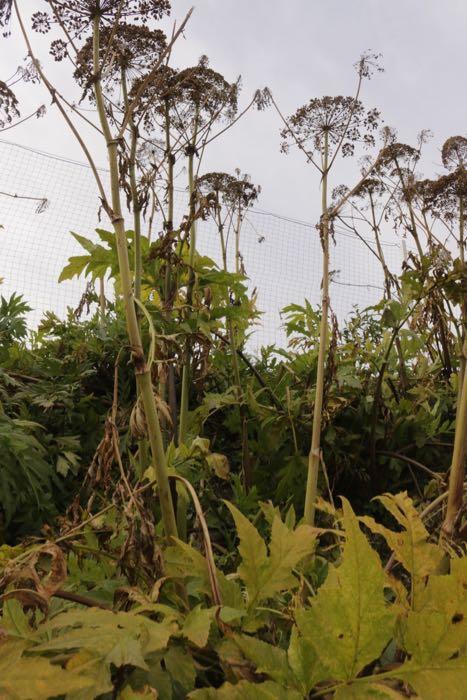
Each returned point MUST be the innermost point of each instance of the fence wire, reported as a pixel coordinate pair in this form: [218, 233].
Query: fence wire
[44, 197]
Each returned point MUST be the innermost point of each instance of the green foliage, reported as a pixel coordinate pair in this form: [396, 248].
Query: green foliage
[359, 635]
[13, 324]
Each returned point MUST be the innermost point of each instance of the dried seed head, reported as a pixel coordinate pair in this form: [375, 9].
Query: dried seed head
[8, 105]
[344, 120]
[134, 49]
[77, 15]
[232, 191]
[454, 152]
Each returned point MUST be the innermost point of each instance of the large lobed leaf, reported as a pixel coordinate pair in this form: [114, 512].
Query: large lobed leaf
[266, 574]
[349, 623]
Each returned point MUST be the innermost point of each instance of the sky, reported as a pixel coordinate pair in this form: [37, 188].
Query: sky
[299, 49]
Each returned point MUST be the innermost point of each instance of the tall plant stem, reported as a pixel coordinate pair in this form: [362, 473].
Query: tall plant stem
[191, 284]
[142, 371]
[388, 279]
[408, 200]
[456, 475]
[315, 451]
[138, 262]
[168, 278]
[246, 462]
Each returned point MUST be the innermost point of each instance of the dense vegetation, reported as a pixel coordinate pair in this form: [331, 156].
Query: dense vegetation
[179, 517]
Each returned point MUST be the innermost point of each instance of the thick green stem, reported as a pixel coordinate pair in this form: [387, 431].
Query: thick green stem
[183, 425]
[315, 451]
[142, 371]
[456, 475]
[134, 194]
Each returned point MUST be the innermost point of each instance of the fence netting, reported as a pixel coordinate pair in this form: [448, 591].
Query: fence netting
[44, 197]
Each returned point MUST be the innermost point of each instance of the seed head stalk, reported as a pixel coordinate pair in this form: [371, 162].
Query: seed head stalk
[190, 288]
[315, 451]
[143, 376]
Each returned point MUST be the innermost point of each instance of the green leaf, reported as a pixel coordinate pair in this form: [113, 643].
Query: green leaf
[76, 266]
[181, 667]
[268, 659]
[349, 623]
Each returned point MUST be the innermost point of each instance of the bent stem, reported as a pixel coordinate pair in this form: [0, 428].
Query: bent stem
[142, 371]
[315, 451]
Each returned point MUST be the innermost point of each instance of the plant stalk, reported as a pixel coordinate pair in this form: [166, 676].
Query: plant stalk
[315, 451]
[142, 371]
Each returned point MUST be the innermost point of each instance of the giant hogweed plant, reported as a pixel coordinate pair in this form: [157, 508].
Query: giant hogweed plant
[279, 622]
[325, 129]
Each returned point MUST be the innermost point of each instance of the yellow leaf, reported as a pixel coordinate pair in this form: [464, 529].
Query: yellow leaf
[349, 623]
[247, 691]
[265, 575]
[198, 624]
[411, 547]
[30, 678]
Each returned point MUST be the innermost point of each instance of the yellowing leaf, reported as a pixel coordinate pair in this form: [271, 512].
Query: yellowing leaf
[219, 464]
[254, 569]
[266, 658]
[349, 623]
[363, 691]
[438, 681]
[287, 548]
[197, 625]
[119, 638]
[304, 662]
[91, 666]
[184, 561]
[438, 629]
[411, 547]
[29, 678]
[265, 575]
[247, 691]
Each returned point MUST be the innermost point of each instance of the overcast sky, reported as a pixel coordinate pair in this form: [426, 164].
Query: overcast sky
[300, 49]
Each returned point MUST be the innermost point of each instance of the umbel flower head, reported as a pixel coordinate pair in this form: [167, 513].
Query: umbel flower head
[8, 105]
[205, 92]
[229, 189]
[454, 152]
[130, 48]
[193, 94]
[344, 120]
[5, 15]
[77, 15]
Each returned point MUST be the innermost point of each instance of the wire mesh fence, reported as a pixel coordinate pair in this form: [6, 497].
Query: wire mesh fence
[44, 197]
